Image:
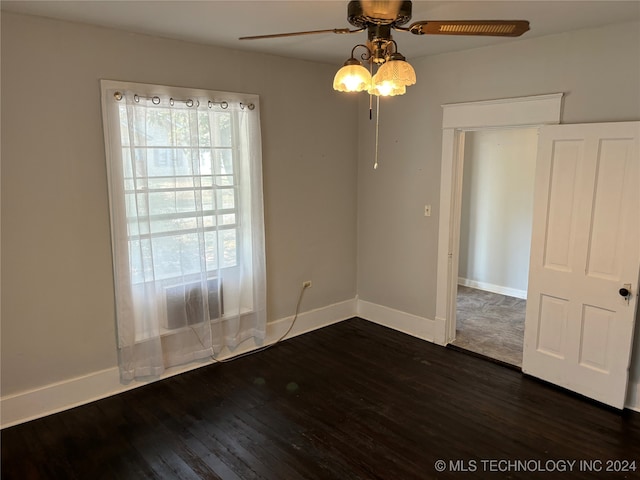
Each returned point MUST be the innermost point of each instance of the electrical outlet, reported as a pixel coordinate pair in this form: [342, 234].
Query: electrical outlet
[306, 284]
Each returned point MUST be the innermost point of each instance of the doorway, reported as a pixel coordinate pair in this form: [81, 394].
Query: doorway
[495, 239]
[458, 119]
[579, 329]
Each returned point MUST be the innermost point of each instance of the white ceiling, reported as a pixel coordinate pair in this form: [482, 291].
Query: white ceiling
[222, 22]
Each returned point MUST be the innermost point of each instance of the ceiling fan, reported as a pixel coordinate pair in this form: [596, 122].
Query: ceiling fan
[394, 73]
[379, 18]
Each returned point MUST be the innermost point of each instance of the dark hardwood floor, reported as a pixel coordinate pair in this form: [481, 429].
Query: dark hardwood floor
[350, 401]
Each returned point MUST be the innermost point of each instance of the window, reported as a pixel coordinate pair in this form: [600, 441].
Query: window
[169, 174]
[185, 190]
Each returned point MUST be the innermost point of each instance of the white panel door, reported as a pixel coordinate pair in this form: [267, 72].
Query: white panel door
[585, 248]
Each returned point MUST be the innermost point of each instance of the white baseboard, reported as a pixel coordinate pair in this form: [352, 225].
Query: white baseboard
[59, 396]
[440, 333]
[56, 397]
[408, 323]
[490, 287]
[633, 396]
[313, 320]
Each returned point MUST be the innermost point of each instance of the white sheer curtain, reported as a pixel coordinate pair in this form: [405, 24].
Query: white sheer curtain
[185, 191]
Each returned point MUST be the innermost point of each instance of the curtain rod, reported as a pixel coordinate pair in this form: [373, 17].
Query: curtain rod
[188, 102]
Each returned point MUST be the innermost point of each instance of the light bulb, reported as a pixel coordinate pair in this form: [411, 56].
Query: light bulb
[385, 88]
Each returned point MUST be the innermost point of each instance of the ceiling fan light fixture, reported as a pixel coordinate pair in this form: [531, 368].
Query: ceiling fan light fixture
[352, 77]
[397, 70]
[385, 88]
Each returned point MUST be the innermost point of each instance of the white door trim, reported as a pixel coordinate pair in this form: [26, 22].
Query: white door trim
[457, 118]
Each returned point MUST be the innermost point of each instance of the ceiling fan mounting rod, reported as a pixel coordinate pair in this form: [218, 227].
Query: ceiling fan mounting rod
[396, 13]
[379, 38]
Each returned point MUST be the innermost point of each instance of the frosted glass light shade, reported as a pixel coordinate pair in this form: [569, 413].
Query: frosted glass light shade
[399, 72]
[385, 88]
[352, 78]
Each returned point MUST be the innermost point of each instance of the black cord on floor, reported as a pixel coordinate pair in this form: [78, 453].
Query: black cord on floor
[261, 349]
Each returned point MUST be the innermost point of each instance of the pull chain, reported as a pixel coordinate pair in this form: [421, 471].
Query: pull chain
[375, 165]
[370, 105]
[370, 95]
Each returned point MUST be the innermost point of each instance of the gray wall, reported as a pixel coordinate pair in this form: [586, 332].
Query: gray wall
[497, 208]
[57, 296]
[598, 70]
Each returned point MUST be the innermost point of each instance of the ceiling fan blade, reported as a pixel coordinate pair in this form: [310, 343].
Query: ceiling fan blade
[295, 34]
[495, 28]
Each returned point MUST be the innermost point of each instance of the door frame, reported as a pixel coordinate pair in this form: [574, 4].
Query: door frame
[457, 118]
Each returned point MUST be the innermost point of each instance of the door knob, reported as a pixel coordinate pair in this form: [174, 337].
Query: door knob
[625, 292]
